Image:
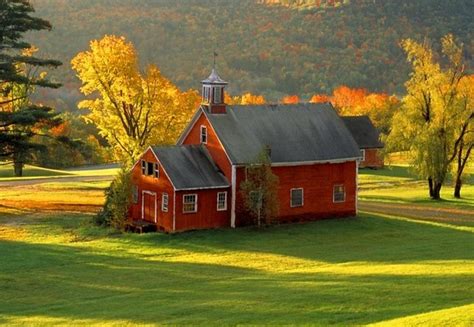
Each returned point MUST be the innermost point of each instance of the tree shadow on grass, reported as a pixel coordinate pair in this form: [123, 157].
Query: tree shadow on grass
[73, 283]
[367, 238]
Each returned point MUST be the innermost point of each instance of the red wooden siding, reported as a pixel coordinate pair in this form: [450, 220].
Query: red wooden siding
[156, 185]
[213, 145]
[317, 181]
[373, 159]
[207, 215]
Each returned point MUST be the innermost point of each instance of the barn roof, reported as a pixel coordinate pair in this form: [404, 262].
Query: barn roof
[363, 131]
[190, 167]
[295, 133]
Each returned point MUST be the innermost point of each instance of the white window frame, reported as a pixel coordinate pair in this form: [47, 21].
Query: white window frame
[291, 197]
[144, 167]
[362, 152]
[206, 93]
[164, 202]
[334, 193]
[195, 203]
[224, 208]
[203, 132]
[156, 170]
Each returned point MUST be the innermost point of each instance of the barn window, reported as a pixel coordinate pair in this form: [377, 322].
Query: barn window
[157, 170]
[143, 167]
[164, 202]
[339, 194]
[296, 197]
[189, 203]
[221, 201]
[362, 154]
[203, 134]
[150, 168]
[135, 194]
[206, 93]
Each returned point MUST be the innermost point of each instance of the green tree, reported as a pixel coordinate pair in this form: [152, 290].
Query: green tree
[431, 124]
[20, 119]
[260, 189]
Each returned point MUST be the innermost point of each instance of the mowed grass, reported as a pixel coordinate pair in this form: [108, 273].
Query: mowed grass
[31, 172]
[56, 268]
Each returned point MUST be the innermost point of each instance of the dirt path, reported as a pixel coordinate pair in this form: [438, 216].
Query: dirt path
[27, 182]
[442, 215]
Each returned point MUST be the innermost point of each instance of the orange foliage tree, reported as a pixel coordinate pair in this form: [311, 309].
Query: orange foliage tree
[290, 99]
[359, 102]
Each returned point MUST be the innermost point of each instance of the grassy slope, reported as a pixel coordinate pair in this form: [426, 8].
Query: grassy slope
[56, 268]
[31, 172]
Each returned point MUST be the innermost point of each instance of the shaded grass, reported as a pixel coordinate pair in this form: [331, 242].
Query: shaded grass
[56, 268]
[329, 272]
[6, 171]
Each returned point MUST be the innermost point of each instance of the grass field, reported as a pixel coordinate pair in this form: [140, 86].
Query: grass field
[33, 172]
[389, 269]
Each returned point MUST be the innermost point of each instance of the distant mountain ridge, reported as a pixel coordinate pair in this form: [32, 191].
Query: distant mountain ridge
[270, 47]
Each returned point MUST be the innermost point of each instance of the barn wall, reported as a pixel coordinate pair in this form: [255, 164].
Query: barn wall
[159, 186]
[373, 159]
[207, 215]
[213, 145]
[317, 181]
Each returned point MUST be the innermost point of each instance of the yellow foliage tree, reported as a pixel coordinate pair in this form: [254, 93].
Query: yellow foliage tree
[245, 99]
[131, 110]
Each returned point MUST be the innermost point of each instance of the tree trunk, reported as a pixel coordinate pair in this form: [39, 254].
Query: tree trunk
[18, 167]
[430, 184]
[461, 164]
[436, 191]
[457, 187]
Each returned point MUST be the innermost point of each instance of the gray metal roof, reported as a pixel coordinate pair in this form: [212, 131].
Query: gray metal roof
[363, 131]
[190, 166]
[295, 133]
[214, 79]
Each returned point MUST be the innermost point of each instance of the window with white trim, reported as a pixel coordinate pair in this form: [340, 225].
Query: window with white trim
[362, 154]
[221, 201]
[189, 203]
[150, 168]
[296, 197]
[203, 134]
[339, 193]
[164, 202]
[143, 167]
[156, 170]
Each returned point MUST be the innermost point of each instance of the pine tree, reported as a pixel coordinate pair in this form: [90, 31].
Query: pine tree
[20, 119]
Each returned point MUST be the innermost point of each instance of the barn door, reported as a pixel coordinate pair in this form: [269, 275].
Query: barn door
[149, 210]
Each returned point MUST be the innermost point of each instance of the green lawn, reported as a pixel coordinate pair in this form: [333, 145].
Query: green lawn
[388, 269]
[31, 172]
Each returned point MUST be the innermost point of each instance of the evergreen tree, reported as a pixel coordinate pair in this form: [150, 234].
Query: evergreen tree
[20, 119]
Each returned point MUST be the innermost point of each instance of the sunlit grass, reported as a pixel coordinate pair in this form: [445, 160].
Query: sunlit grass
[35, 173]
[57, 268]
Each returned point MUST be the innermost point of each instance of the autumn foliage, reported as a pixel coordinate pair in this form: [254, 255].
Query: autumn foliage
[245, 99]
[290, 99]
[358, 102]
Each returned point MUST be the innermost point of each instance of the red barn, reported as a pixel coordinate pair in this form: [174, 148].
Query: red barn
[195, 184]
[368, 139]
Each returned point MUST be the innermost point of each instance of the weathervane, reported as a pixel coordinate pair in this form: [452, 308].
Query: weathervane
[214, 64]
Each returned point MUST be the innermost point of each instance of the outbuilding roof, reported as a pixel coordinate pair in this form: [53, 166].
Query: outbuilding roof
[294, 132]
[190, 167]
[364, 132]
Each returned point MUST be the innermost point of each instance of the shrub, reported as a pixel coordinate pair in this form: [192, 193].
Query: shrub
[117, 202]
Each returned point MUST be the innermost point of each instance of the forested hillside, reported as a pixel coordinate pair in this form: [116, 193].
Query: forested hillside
[269, 47]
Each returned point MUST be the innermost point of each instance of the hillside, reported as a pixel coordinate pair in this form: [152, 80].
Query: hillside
[270, 47]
